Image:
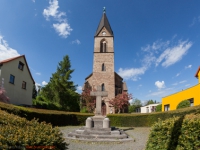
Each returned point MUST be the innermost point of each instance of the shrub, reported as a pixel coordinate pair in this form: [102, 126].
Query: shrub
[175, 133]
[3, 97]
[19, 132]
[148, 119]
[190, 133]
[164, 134]
[159, 108]
[56, 118]
[183, 104]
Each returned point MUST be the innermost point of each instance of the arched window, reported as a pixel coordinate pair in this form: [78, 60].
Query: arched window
[103, 47]
[103, 68]
[102, 87]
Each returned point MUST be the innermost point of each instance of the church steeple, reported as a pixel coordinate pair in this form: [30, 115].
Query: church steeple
[104, 23]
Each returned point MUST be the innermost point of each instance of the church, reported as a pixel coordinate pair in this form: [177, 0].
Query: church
[103, 73]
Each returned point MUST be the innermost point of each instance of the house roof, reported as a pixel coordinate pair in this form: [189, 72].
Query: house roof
[196, 75]
[11, 59]
[125, 87]
[118, 76]
[104, 23]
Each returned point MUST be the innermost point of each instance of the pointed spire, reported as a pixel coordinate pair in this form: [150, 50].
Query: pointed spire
[104, 23]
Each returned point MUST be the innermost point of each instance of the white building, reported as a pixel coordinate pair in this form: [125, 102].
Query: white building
[149, 108]
[17, 80]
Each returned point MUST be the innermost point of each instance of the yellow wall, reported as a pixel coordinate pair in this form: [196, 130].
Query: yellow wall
[174, 99]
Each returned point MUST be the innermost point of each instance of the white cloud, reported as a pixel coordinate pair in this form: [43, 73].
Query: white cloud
[183, 81]
[76, 42]
[38, 73]
[175, 84]
[160, 84]
[194, 21]
[174, 54]
[178, 74]
[187, 85]
[44, 83]
[189, 66]
[52, 10]
[79, 88]
[63, 29]
[167, 53]
[6, 51]
[62, 26]
[33, 1]
[37, 85]
[131, 73]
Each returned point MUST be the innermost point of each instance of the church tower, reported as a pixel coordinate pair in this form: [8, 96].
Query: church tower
[103, 65]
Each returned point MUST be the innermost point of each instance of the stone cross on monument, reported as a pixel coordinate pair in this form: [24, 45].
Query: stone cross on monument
[99, 94]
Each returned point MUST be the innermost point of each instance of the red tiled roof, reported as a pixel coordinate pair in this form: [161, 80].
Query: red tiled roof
[196, 75]
[10, 59]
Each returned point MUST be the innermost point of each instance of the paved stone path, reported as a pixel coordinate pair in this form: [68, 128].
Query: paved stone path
[139, 134]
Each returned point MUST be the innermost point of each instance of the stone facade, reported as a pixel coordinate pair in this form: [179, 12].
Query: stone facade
[103, 65]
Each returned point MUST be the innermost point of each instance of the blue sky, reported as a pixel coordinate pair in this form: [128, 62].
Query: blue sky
[156, 43]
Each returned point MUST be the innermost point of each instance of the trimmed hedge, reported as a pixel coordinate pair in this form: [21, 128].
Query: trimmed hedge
[19, 133]
[164, 135]
[56, 118]
[190, 133]
[178, 133]
[148, 119]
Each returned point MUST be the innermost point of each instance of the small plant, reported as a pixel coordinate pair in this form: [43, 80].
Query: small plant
[183, 104]
[159, 108]
[3, 97]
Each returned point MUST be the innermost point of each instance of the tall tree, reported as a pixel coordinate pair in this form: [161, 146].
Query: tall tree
[34, 92]
[88, 101]
[121, 102]
[136, 104]
[150, 102]
[61, 89]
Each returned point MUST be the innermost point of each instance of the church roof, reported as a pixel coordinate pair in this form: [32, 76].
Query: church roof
[104, 23]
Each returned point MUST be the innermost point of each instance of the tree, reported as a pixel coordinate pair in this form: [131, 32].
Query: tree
[61, 89]
[88, 102]
[150, 102]
[34, 92]
[121, 102]
[3, 97]
[159, 108]
[183, 104]
[134, 105]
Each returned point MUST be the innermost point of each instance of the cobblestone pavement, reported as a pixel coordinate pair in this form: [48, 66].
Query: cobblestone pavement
[139, 135]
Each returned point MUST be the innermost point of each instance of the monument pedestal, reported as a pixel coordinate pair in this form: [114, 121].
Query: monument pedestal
[98, 127]
[98, 121]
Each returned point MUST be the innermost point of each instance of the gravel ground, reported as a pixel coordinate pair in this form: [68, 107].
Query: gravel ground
[139, 135]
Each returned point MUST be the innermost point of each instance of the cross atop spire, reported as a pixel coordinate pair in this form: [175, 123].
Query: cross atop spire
[104, 23]
[104, 9]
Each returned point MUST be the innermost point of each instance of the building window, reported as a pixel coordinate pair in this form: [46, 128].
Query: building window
[103, 47]
[102, 87]
[12, 79]
[103, 68]
[21, 66]
[167, 107]
[23, 85]
[191, 100]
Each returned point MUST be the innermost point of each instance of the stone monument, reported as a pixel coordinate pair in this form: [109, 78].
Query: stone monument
[97, 127]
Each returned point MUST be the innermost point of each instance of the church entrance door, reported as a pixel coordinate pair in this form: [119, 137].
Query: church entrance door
[103, 109]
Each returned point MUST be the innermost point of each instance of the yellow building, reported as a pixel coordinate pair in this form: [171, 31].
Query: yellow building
[192, 94]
